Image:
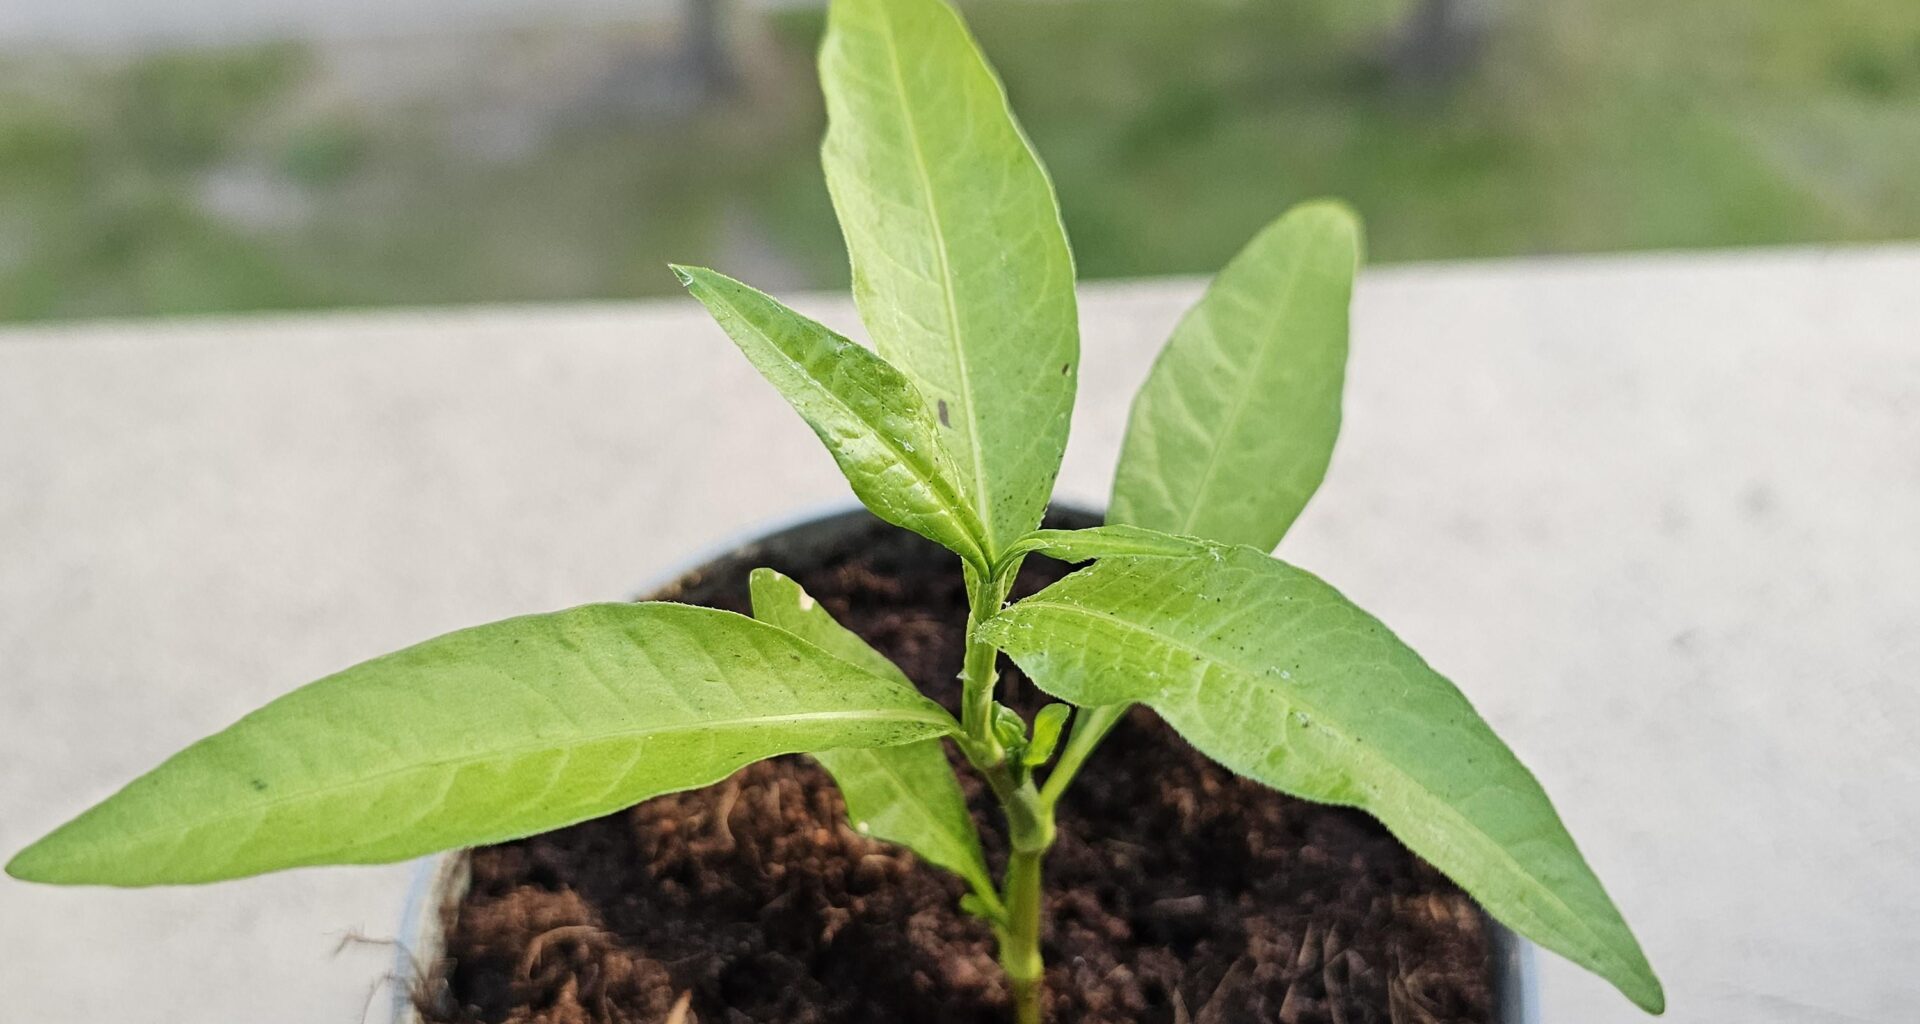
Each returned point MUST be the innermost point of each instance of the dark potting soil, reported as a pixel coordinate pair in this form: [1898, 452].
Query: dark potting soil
[1177, 892]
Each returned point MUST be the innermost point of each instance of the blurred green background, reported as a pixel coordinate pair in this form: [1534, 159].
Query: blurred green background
[571, 162]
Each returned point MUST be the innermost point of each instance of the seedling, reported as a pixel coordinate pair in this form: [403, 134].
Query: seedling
[954, 430]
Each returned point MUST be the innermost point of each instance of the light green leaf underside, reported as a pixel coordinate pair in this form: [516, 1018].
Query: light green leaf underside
[905, 794]
[869, 415]
[480, 736]
[1233, 430]
[960, 264]
[1274, 674]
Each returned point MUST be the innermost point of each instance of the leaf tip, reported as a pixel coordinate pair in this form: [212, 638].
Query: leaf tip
[1331, 210]
[773, 593]
[1647, 992]
[36, 863]
[683, 273]
[20, 867]
[1335, 216]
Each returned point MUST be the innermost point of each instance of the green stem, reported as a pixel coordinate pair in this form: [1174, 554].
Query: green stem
[1030, 833]
[1020, 942]
[978, 674]
[1030, 829]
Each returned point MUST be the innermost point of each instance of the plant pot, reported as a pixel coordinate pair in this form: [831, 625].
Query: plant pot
[441, 884]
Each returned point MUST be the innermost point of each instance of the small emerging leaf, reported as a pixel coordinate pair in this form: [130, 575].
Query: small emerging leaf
[905, 794]
[1046, 734]
[975, 904]
[1009, 728]
[1233, 430]
[1274, 674]
[867, 413]
[960, 264]
[480, 736]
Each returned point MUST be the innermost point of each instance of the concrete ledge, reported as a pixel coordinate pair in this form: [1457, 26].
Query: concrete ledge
[1656, 515]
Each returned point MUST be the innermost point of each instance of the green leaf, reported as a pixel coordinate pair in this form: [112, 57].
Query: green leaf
[905, 794]
[1274, 674]
[1235, 425]
[869, 415]
[1102, 542]
[1010, 729]
[481, 736]
[1046, 734]
[960, 264]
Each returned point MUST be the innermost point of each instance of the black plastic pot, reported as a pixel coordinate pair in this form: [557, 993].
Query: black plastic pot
[440, 883]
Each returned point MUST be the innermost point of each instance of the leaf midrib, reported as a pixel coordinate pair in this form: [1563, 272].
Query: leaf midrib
[267, 806]
[928, 475]
[1371, 753]
[1263, 352]
[981, 502]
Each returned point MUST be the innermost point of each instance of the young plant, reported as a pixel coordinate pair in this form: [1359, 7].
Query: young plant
[953, 429]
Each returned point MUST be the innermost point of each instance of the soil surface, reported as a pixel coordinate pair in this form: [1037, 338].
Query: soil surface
[1177, 893]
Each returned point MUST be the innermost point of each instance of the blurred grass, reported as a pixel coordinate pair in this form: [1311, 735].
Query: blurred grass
[248, 179]
[1602, 125]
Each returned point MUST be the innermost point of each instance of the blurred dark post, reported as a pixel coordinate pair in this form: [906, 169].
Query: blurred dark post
[709, 62]
[1437, 42]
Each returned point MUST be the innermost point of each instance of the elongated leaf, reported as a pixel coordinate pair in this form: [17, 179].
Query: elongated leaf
[1234, 428]
[1274, 674]
[1103, 542]
[480, 736]
[960, 265]
[904, 794]
[867, 413]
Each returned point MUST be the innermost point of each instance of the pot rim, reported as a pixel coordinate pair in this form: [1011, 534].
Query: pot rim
[437, 880]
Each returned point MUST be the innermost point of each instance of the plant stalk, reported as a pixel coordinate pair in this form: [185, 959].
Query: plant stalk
[1020, 942]
[1030, 828]
[978, 673]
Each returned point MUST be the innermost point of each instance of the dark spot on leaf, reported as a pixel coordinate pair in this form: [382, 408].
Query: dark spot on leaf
[1064, 367]
[260, 785]
[943, 413]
